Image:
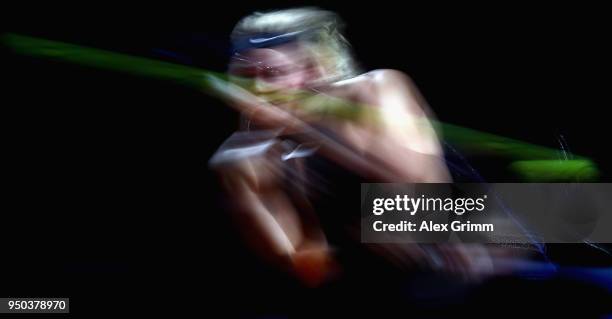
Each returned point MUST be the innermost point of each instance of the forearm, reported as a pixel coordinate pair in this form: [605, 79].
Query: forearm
[271, 226]
[265, 229]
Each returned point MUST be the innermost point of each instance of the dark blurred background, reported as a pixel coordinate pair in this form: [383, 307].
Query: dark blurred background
[107, 191]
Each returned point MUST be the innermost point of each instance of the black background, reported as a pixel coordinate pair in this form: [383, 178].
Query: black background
[107, 190]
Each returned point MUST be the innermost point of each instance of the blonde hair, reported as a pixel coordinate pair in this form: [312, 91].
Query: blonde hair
[316, 30]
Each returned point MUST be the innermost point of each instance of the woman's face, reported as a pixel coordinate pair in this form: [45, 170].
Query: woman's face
[281, 69]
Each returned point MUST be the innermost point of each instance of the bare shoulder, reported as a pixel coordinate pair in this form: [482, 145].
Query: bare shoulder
[395, 83]
[374, 76]
[390, 77]
[367, 87]
[378, 79]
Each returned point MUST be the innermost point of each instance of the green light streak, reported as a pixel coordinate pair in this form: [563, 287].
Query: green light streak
[556, 170]
[532, 162]
[103, 59]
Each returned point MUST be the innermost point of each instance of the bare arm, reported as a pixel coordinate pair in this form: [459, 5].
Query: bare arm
[403, 139]
[272, 224]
